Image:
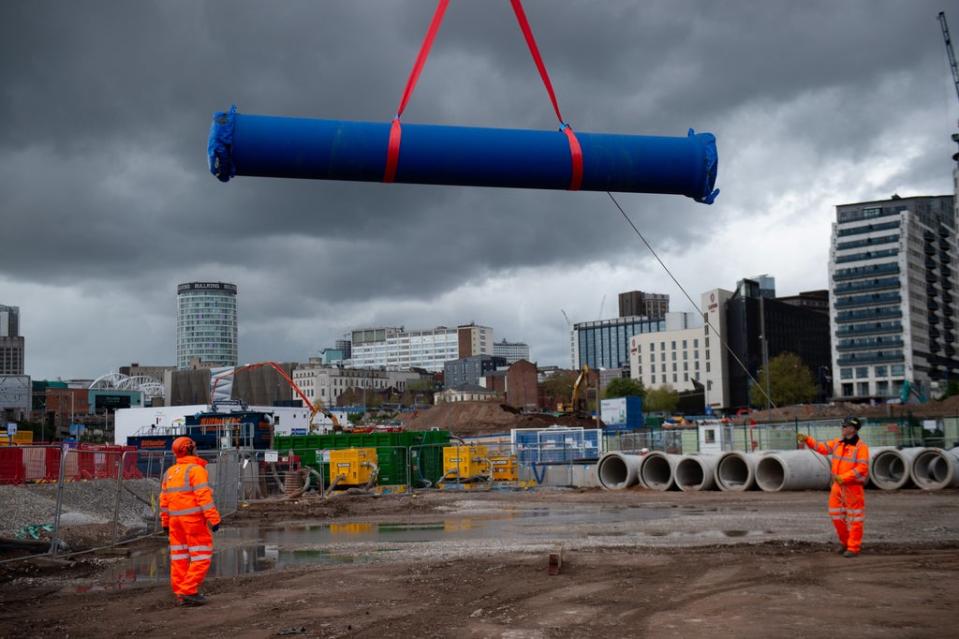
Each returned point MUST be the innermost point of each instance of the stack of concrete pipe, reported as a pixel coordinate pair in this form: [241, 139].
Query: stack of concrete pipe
[773, 471]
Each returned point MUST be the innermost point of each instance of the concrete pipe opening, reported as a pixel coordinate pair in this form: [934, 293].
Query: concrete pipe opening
[935, 469]
[771, 474]
[890, 470]
[617, 471]
[695, 472]
[657, 471]
[734, 472]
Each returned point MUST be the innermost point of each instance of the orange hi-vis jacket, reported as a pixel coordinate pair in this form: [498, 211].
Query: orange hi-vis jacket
[850, 464]
[185, 491]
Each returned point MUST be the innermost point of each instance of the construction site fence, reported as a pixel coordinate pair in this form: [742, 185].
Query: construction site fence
[115, 485]
[721, 437]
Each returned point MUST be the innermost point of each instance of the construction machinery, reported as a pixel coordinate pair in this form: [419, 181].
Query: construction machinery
[577, 403]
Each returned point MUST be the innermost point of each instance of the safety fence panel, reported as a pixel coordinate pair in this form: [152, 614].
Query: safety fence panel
[674, 441]
[226, 493]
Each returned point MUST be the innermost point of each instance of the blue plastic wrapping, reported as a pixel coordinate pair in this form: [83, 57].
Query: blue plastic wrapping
[268, 146]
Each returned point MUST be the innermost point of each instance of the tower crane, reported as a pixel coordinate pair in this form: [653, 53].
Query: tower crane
[952, 65]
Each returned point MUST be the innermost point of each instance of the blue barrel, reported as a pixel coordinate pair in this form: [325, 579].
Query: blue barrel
[269, 146]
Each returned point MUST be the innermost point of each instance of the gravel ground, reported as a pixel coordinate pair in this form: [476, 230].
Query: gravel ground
[84, 502]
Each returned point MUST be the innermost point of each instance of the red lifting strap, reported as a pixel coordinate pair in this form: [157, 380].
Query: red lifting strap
[393, 148]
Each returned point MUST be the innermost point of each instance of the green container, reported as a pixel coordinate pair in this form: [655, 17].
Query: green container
[391, 452]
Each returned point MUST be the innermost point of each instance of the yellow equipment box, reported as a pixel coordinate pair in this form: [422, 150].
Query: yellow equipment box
[504, 468]
[353, 466]
[20, 438]
[465, 462]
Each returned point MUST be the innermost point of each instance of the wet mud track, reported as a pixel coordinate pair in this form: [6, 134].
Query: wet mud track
[628, 575]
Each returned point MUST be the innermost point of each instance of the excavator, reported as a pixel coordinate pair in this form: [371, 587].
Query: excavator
[318, 408]
[577, 404]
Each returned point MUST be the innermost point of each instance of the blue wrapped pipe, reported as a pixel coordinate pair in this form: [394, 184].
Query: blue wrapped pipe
[269, 146]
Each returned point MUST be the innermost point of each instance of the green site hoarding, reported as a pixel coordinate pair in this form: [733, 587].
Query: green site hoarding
[392, 450]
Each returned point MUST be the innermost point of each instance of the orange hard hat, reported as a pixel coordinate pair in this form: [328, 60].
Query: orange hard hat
[183, 446]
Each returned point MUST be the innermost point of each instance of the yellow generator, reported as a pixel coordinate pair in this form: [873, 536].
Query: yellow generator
[353, 467]
[504, 468]
[465, 462]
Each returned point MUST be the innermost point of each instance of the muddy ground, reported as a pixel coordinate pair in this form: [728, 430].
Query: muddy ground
[636, 564]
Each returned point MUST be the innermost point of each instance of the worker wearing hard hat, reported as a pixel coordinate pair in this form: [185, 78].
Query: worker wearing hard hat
[850, 471]
[188, 515]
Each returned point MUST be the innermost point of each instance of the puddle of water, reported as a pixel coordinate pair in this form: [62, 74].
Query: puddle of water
[252, 549]
[154, 567]
[706, 533]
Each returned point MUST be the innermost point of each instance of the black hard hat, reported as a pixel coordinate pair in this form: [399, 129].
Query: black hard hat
[852, 421]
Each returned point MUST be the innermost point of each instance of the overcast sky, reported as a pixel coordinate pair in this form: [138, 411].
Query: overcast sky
[106, 202]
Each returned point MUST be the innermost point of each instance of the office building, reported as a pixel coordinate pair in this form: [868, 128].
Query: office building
[327, 383]
[688, 354]
[399, 349]
[605, 343]
[894, 297]
[511, 351]
[470, 370]
[206, 328]
[640, 304]
[759, 328]
[11, 342]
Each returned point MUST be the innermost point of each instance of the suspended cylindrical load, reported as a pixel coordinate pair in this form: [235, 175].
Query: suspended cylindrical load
[657, 471]
[792, 470]
[269, 146]
[616, 471]
[735, 471]
[891, 469]
[696, 472]
[935, 468]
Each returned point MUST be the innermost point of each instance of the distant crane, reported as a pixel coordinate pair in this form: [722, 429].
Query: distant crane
[572, 346]
[949, 51]
[952, 65]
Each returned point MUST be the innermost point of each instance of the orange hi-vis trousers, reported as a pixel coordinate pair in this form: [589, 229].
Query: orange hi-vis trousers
[191, 549]
[847, 509]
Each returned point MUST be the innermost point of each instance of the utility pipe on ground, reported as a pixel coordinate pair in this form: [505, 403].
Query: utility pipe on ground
[792, 470]
[735, 471]
[935, 468]
[891, 469]
[657, 470]
[616, 471]
[696, 472]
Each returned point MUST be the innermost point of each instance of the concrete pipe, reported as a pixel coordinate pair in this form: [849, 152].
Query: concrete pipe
[891, 469]
[735, 471]
[792, 470]
[696, 472]
[657, 470]
[616, 471]
[935, 468]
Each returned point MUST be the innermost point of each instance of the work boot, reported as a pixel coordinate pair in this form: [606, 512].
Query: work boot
[850, 554]
[842, 550]
[191, 600]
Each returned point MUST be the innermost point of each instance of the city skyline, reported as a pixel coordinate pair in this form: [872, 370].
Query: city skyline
[91, 262]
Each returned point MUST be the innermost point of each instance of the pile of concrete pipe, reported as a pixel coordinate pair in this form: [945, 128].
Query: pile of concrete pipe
[772, 471]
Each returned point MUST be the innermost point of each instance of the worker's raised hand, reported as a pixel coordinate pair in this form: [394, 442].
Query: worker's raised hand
[801, 438]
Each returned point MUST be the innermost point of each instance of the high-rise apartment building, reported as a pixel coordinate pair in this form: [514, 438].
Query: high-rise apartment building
[398, 348]
[640, 304]
[11, 342]
[894, 296]
[206, 328]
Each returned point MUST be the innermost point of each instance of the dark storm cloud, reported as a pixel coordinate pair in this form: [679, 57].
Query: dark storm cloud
[105, 108]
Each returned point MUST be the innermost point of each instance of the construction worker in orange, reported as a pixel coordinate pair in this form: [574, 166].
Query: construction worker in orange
[189, 517]
[849, 465]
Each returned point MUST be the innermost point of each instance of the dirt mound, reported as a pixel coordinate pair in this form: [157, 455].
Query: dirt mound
[484, 418]
[838, 410]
